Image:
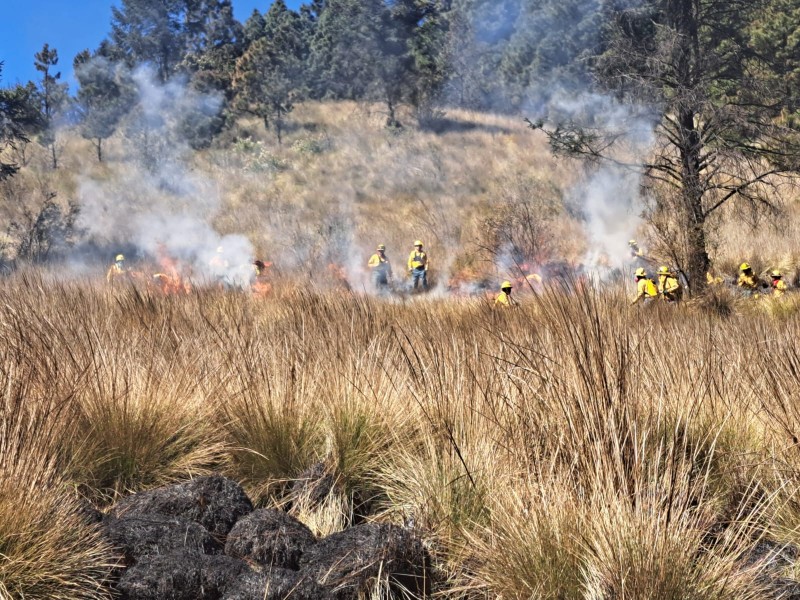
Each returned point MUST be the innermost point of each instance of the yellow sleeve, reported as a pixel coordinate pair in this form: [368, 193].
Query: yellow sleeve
[374, 261]
[672, 284]
[410, 259]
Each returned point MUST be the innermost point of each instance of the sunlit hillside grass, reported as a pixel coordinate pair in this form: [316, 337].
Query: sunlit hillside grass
[471, 186]
[573, 448]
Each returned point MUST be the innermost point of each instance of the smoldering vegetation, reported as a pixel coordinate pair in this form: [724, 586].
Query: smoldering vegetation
[568, 449]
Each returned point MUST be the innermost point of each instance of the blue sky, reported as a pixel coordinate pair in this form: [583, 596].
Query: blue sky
[69, 26]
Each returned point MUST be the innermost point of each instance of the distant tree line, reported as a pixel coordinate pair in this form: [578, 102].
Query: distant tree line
[480, 54]
[717, 81]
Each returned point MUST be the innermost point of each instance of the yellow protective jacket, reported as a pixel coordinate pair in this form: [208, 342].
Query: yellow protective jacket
[504, 299]
[669, 287]
[417, 260]
[748, 282]
[114, 271]
[778, 288]
[380, 263]
[645, 289]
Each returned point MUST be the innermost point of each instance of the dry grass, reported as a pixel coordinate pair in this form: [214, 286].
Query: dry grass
[574, 448]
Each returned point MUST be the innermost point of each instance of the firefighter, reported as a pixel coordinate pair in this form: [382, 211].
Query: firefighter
[668, 285]
[381, 268]
[117, 269]
[418, 266]
[260, 284]
[636, 252]
[713, 280]
[638, 259]
[645, 289]
[504, 297]
[778, 284]
[748, 281]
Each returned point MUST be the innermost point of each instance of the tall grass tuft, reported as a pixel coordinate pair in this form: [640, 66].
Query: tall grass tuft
[48, 548]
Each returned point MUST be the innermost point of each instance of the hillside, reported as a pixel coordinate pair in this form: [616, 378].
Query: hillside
[482, 191]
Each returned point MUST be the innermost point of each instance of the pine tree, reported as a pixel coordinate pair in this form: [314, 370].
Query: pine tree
[690, 69]
[270, 75]
[19, 119]
[150, 32]
[53, 99]
[105, 95]
[215, 41]
[254, 27]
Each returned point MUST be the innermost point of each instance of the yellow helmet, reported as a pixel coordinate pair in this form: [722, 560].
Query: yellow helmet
[381, 246]
[632, 243]
[664, 270]
[417, 243]
[506, 285]
[640, 272]
[744, 266]
[119, 258]
[776, 274]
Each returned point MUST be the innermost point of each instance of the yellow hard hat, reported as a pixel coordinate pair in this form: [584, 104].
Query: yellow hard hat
[777, 274]
[119, 258]
[744, 266]
[418, 243]
[506, 285]
[640, 272]
[632, 243]
[663, 270]
[381, 247]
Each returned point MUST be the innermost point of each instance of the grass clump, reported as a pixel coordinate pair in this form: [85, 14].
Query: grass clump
[47, 547]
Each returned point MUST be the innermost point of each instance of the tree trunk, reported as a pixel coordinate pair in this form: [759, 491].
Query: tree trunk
[690, 147]
[98, 145]
[697, 261]
[54, 155]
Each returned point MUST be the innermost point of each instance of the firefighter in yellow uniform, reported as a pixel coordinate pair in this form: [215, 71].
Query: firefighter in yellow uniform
[381, 268]
[504, 297]
[635, 251]
[778, 284]
[748, 281]
[116, 270]
[668, 285]
[645, 289]
[418, 267]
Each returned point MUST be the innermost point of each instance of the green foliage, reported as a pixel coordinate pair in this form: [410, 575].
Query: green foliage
[105, 95]
[53, 99]
[19, 118]
[270, 76]
[45, 230]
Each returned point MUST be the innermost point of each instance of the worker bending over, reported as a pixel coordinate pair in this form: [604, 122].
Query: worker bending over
[778, 284]
[645, 289]
[748, 280]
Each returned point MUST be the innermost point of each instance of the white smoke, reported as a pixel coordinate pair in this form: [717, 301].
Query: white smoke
[157, 203]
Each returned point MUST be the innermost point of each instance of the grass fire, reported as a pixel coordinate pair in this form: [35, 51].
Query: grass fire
[398, 300]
